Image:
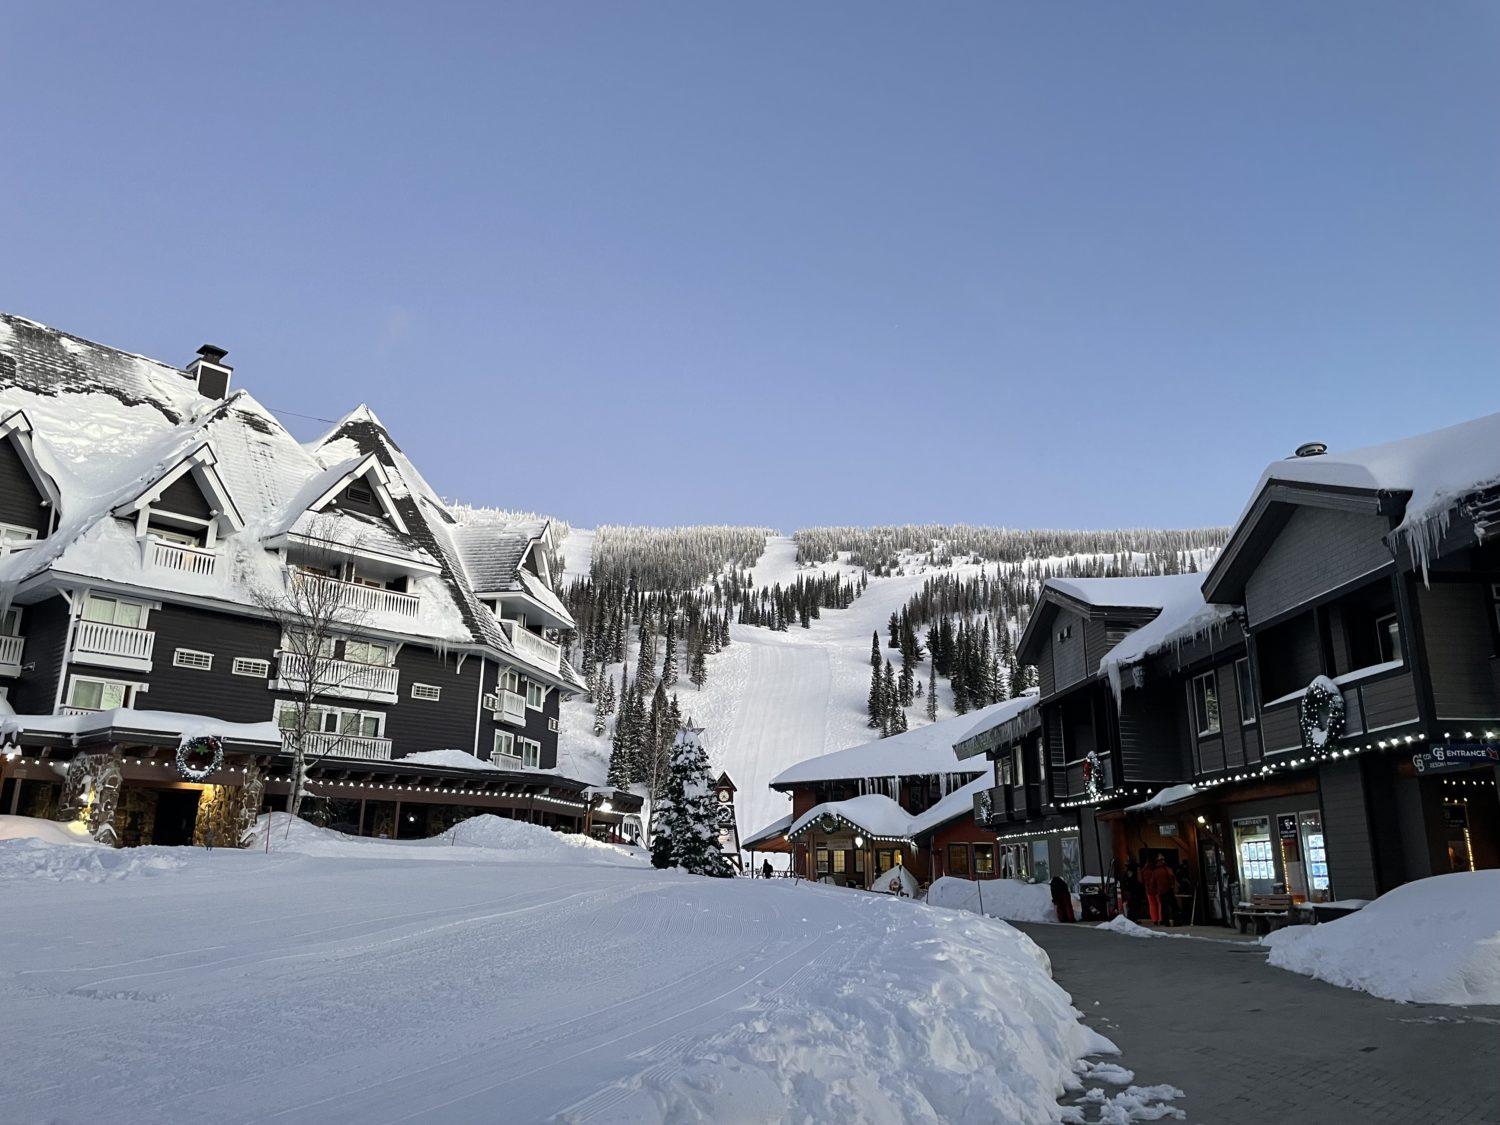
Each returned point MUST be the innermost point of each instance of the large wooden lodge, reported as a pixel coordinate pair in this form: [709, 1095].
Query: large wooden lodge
[1317, 716]
[151, 520]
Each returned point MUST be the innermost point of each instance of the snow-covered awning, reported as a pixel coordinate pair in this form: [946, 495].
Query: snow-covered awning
[872, 814]
[770, 838]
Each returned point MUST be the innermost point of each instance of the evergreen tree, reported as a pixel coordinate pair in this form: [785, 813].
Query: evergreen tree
[875, 657]
[932, 693]
[875, 704]
[599, 714]
[698, 669]
[685, 829]
[890, 700]
[904, 685]
[669, 655]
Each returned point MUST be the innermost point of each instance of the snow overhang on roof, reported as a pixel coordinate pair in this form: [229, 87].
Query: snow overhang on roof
[1004, 728]
[1425, 480]
[17, 428]
[773, 833]
[200, 463]
[872, 814]
[1133, 600]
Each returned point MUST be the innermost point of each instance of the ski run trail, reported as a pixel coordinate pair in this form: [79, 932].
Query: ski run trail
[777, 698]
[501, 973]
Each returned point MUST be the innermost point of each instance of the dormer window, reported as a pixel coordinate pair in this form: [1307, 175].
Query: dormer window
[13, 538]
[180, 515]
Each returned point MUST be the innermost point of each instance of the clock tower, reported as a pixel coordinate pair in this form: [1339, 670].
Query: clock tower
[729, 831]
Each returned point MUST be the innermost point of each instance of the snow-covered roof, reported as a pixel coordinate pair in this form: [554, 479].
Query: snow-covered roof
[872, 813]
[1139, 591]
[1171, 795]
[973, 740]
[169, 723]
[959, 803]
[769, 832]
[925, 750]
[108, 427]
[1184, 616]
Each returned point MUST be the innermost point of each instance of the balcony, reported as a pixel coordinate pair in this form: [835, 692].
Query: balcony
[161, 555]
[114, 646]
[508, 707]
[359, 598]
[989, 807]
[324, 744]
[506, 761]
[10, 655]
[538, 650]
[343, 678]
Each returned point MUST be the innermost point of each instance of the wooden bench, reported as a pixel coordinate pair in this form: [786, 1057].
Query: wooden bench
[1264, 912]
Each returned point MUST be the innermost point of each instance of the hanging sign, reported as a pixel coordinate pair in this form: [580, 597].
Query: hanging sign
[1455, 756]
[1286, 826]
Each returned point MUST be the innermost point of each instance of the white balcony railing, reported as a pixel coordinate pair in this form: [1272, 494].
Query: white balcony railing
[76, 710]
[509, 707]
[540, 651]
[361, 598]
[322, 744]
[10, 655]
[507, 761]
[176, 556]
[93, 640]
[339, 677]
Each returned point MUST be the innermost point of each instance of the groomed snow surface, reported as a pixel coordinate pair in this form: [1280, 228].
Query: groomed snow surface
[1433, 941]
[504, 973]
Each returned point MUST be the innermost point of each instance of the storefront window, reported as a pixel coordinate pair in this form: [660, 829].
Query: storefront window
[1314, 856]
[984, 861]
[958, 860]
[1252, 845]
[840, 858]
[1041, 866]
[1072, 861]
[822, 861]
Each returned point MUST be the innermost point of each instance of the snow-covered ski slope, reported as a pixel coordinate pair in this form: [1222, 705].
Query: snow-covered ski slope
[777, 698]
[502, 974]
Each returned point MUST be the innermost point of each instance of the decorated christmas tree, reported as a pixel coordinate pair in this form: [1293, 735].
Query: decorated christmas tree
[685, 827]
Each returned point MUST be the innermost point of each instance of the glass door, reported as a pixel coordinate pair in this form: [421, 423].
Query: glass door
[1314, 856]
[1257, 862]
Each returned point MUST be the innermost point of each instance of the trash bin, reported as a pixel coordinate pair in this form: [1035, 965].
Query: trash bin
[1097, 899]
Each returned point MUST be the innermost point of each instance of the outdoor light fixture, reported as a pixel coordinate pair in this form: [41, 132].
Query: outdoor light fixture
[859, 841]
[1202, 820]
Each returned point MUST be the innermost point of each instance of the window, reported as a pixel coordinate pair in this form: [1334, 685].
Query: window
[302, 644]
[172, 535]
[1206, 703]
[984, 861]
[13, 536]
[1388, 638]
[1041, 863]
[1065, 632]
[426, 691]
[505, 744]
[99, 695]
[822, 860]
[531, 753]
[840, 861]
[552, 725]
[1314, 855]
[1247, 697]
[246, 666]
[510, 680]
[536, 695]
[10, 622]
[1003, 771]
[1252, 846]
[113, 611]
[192, 658]
[958, 860]
[332, 720]
[368, 652]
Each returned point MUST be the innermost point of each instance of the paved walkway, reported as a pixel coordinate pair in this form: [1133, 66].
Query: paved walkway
[1249, 1043]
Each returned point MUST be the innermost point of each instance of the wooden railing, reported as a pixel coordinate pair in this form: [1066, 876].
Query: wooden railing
[359, 597]
[324, 744]
[339, 677]
[97, 638]
[10, 654]
[183, 559]
[539, 650]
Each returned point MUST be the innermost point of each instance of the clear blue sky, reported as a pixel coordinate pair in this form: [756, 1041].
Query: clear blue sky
[794, 263]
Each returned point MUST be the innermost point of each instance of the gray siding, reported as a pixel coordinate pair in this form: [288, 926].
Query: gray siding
[20, 502]
[45, 627]
[414, 725]
[184, 497]
[1151, 744]
[1459, 650]
[1346, 829]
[1317, 551]
[1067, 656]
[217, 691]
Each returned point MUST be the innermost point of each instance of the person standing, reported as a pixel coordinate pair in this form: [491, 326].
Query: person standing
[766, 869]
[1062, 899]
[1161, 884]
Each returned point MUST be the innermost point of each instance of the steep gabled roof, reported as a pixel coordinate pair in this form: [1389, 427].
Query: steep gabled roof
[200, 462]
[17, 428]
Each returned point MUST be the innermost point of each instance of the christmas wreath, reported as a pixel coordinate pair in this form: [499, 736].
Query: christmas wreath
[1321, 714]
[1093, 775]
[199, 757]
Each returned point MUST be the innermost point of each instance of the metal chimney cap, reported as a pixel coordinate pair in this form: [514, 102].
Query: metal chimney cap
[1311, 449]
[213, 353]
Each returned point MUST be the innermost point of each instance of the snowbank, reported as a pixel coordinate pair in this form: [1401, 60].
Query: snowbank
[48, 831]
[451, 759]
[1003, 898]
[1434, 941]
[32, 849]
[1120, 924]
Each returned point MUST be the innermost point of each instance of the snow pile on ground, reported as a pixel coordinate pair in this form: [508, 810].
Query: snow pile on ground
[1120, 924]
[32, 849]
[575, 990]
[1433, 941]
[1136, 1103]
[1003, 898]
[535, 844]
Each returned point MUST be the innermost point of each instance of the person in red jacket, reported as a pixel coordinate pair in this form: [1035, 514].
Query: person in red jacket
[1161, 885]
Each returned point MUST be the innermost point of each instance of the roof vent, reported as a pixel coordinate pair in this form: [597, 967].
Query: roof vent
[1311, 449]
[210, 371]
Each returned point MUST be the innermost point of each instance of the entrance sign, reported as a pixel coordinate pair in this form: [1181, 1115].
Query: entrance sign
[1456, 756]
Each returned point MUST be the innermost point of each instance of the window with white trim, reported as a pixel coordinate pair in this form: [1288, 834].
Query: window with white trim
[505, 744]
[552, 725]
[536, 695]
[114, 611]
[1388, 638]
[369, 652]
[250, 666]
[332, 720]
[1247, 697]
[302, 644]
[510, 680]
[13, 536]
[10, 622]
[1206, 703]
[430, 692]
[90, 694]
[531, 753]
[193, 658]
